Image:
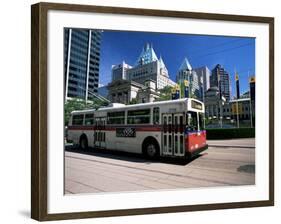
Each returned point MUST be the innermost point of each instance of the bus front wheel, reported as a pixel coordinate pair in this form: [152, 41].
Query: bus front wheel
[83, 144]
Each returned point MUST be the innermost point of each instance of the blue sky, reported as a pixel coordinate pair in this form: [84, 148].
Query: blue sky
[231, 52]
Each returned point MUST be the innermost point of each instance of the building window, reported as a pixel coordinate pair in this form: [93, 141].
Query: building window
[139, 116]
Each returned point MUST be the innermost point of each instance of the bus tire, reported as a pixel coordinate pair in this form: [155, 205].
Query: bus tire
[83, 143]
[151, 148]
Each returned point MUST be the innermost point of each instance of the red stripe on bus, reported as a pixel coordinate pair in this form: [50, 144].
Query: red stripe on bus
[143, 128]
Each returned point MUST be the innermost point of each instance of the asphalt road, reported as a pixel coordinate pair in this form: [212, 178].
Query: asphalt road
[225, 163]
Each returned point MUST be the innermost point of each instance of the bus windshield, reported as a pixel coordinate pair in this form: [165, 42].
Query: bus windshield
[191, 121]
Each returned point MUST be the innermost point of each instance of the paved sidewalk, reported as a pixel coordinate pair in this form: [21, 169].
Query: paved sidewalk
[233, 143]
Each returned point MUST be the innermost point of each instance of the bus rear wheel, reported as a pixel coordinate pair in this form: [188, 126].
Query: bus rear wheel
[151, 150]
[83, 144]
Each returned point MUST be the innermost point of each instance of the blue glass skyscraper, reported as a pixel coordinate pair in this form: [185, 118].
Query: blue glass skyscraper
[81, 62]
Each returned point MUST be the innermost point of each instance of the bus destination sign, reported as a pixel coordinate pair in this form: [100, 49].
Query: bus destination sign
[196, 105]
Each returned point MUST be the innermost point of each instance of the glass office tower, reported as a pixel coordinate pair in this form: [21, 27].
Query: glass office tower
[81, 62]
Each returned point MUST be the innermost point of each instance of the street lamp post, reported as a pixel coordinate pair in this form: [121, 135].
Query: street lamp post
[237, 113]
[189, 71]
[221, 113]
[251, 112]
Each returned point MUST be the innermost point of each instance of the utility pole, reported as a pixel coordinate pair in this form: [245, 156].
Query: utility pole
[203, 89]
[221, 114]
[101, 98]
[237, 93]
[220, 102]
[203, 97]
[251, 113]
[189, 90]
[237, 113]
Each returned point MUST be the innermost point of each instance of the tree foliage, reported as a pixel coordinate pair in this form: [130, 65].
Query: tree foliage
[133, 101]
[79, 104]
[165, 94]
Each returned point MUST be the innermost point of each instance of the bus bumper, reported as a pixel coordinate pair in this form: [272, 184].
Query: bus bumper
[198, 151]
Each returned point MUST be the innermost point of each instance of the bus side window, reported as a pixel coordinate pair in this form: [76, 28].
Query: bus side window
[156, 115]
[89, 119]
[139, 116]
[116, 117]
[78, 119]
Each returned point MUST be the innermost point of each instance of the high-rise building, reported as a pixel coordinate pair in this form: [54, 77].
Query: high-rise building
[120, 71]
[149, 67]
[220, 78]
[186, 72]
[81, 62]
[204, 74]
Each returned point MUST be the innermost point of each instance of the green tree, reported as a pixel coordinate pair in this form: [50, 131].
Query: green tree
[133, 101]
[191, 95]
[165, 94]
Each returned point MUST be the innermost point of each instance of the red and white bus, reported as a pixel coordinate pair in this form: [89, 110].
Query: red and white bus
[171, 128]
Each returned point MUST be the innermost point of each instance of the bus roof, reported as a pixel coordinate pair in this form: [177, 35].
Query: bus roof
[136, 106]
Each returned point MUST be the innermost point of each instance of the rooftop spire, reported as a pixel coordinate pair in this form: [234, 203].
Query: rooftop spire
[185, 65]
[147, 55]
[162, 64]
[147, 46]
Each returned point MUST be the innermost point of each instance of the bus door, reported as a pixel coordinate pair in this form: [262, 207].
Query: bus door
[173, 134]
[167, 134]
[99, 132]
[178, 134]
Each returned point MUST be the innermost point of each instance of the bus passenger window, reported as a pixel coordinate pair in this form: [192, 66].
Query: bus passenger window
[117, 117]
[156, 115]
[89, 119]
[139, 116]
[78, 119]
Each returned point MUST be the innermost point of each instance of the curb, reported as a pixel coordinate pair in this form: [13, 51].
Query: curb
[232, 146]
